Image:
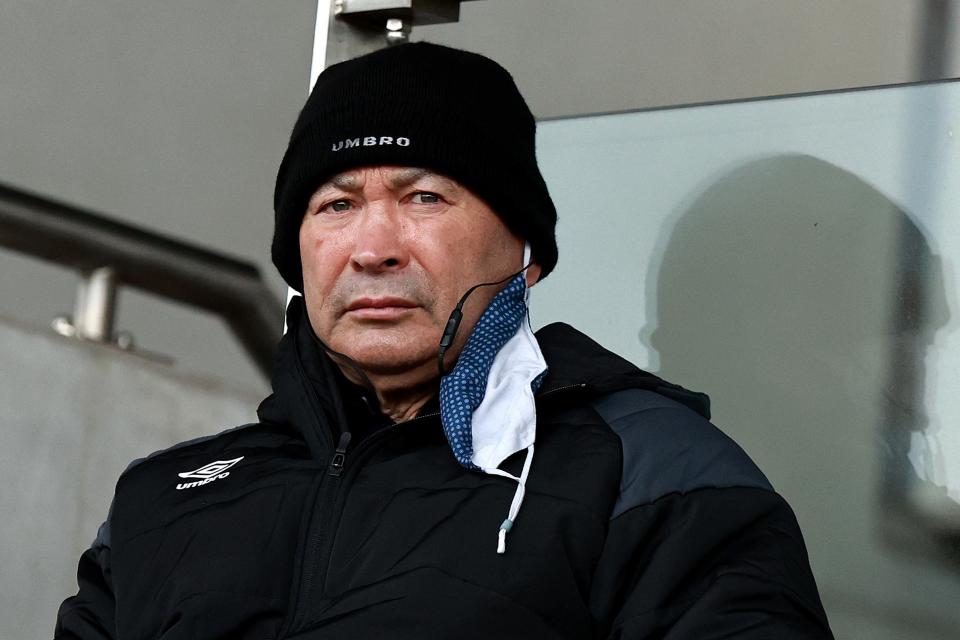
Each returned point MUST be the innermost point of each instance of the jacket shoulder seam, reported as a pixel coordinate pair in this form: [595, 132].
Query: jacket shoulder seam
[669, 448]
[185, 444]
[693, 494]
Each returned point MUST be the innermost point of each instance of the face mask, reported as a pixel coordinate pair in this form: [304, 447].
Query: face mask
[487, 401]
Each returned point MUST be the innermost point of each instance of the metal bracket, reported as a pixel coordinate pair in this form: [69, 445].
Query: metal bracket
[375, 13]
[389, 19]
[95, 310]
[96, 305]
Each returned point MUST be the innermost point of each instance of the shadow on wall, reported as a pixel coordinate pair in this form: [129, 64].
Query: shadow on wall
[803, 301]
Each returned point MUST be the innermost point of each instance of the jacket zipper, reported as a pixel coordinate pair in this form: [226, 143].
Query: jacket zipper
[312, 551]
[339, 456]
[331, 498]
[334, 470]
[332, 495]
[319, 498]
[339, 461]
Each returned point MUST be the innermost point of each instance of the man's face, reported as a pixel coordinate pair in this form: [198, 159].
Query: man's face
[387, 252]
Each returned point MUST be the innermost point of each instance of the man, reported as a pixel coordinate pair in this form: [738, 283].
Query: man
[426, 467]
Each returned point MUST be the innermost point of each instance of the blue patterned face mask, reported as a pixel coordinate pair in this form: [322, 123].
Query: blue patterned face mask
[487, 400]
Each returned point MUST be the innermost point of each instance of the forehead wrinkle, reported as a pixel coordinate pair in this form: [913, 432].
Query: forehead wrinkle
[344, 181]
[405, 176]
[340, 182]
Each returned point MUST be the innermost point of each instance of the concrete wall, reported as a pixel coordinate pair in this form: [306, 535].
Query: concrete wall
[75, 414]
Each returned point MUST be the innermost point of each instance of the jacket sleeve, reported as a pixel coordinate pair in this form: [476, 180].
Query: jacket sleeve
[89, 615]
[699, 545]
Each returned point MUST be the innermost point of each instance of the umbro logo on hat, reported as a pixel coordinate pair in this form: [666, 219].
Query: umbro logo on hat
[370, 141]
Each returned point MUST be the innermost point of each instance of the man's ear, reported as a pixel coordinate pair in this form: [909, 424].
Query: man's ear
[533, 274]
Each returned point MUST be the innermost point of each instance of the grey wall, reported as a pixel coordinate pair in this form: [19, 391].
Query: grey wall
[573, 57]
[75, 415]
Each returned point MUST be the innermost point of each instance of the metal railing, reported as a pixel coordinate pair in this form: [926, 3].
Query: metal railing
[109, 254]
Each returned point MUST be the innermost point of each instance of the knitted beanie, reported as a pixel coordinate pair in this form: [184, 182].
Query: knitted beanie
[417, 105]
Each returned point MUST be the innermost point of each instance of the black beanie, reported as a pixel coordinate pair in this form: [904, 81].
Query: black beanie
[417, 105]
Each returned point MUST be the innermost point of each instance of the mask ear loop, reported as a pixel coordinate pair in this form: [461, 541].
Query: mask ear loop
[527, 260]
[453, 322]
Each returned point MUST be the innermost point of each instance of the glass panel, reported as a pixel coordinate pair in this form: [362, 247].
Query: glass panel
[796, 259]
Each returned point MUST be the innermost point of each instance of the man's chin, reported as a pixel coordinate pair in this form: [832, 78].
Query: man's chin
[388, 359]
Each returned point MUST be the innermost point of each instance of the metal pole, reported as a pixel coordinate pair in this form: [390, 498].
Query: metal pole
[96, 305]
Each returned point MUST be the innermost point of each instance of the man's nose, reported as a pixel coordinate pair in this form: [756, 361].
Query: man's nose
[380, 244]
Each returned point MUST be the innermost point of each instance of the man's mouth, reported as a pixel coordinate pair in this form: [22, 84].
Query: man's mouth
[381, 308]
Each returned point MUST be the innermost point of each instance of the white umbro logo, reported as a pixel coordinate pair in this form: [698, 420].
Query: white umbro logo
[370, 141]
[208, 473]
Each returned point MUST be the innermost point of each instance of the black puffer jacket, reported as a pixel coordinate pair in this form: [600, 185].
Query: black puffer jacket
[641, 520]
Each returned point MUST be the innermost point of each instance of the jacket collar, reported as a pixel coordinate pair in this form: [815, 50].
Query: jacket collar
[310, 395]
[575, 360]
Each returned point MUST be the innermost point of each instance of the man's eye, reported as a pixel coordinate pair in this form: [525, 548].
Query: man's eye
[425, 197]
[337, 206]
